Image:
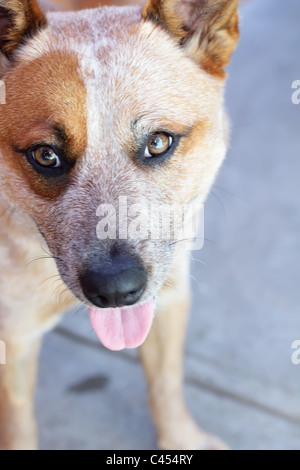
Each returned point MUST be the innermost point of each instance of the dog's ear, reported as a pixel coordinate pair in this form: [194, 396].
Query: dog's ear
[207, 29]
[19, 21]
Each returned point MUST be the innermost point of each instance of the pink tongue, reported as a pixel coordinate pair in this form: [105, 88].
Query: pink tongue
[120, 328]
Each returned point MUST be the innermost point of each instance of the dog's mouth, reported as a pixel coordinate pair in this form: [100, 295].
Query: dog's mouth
[123, 328]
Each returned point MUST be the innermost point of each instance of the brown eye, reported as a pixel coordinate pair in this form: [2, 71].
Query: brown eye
[46, 157]
[158, 144]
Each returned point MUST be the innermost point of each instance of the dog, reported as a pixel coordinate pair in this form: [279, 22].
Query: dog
[104, 104]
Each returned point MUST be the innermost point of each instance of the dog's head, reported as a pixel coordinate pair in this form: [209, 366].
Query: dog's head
[113, 118]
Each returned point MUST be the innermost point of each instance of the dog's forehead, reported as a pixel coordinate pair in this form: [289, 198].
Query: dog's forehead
[125, 57]
[94, 24]
[128, 70]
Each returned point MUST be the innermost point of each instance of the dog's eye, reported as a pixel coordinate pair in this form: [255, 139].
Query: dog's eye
[46, 157]
[158, 145]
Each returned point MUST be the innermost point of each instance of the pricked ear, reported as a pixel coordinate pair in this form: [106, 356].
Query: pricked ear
[207, 29]
[19, 20]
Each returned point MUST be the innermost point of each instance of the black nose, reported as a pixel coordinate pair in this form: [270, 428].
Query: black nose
[118, 283]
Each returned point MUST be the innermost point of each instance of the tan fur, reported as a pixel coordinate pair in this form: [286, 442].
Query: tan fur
[94, 82]
[48, 71]
[24, 21]
[209, 28]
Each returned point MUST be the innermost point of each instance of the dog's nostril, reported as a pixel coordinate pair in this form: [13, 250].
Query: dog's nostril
[120, 284]
[102, 300]
[134, 292]
[132, 295]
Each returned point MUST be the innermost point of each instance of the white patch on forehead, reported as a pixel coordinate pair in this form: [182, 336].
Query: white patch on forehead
[102, 32]
[90, 33]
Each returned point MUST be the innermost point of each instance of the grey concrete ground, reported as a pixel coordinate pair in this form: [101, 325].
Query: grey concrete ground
[240, 380]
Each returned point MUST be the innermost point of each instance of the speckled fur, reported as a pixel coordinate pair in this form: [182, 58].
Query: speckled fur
[121, 78]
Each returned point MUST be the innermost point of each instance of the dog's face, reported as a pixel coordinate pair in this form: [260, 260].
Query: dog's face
[106, 109]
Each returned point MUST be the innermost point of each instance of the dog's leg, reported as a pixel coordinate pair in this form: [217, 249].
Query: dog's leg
[17, 385]
[162, 356]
